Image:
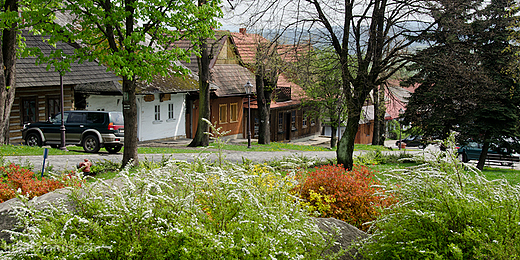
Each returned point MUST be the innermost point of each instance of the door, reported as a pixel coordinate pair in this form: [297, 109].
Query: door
[53, 132]
[75, 125]
[288, 126]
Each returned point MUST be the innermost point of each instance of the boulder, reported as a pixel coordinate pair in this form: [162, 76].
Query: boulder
[345, 236]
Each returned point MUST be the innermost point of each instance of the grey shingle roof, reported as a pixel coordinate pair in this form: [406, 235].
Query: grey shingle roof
[31, 75]
[106, 88]
[231, 78]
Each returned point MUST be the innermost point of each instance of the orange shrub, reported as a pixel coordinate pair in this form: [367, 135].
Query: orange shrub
[346, 195]
[18, 179]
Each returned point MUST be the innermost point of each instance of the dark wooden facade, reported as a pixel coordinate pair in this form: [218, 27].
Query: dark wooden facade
[34, 104]
[37, 93]
[286, 123]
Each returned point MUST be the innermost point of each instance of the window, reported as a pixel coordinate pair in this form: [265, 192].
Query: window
[222, 115]
[293, 120]
[157, 112]
[52, 106]
[280, 122]
[95, 118]
[76, 118]
[313, 121]
[29, 110]
[171, 113]
[304, 122]
[233, 112]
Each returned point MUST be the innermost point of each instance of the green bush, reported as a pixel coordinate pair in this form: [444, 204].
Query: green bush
[180, 211]
[447, 210]
[378, 157]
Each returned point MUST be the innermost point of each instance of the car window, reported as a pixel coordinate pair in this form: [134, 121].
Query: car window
[57, 118]
[95, 118]
[76, 118]
[473, 145]
[117, 118]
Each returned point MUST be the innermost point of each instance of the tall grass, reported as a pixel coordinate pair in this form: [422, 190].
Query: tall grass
[447, 210]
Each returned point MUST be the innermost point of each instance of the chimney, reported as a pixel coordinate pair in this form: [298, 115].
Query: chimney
[242, 31]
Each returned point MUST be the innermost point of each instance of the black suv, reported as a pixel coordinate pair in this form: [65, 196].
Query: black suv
[90, 129]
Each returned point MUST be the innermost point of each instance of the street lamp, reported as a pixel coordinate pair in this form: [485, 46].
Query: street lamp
[62, 127]
[249, 87]
[400, 127]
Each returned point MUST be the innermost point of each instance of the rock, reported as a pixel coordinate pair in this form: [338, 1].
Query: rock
[8, 222]
[345, 235]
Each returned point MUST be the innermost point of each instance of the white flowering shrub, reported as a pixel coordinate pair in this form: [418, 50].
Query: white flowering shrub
[179, 211]
[447, 210]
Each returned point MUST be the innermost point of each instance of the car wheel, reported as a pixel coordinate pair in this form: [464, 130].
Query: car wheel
[33, 139]
[465, 157]
[91, 144]
[113, 149]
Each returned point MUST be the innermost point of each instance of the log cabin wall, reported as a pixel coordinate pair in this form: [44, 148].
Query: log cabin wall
[226, 112]
[27, 99]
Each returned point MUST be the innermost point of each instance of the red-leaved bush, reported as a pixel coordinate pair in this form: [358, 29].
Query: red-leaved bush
[350, 195]
[18, 179]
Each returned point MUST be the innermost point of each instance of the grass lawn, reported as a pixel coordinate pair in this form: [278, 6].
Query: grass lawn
[21, 150]
[513, 176]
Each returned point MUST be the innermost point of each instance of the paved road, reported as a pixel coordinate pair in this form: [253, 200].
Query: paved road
[64, 162]
[70, 161]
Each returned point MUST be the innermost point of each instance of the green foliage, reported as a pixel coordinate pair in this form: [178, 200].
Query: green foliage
[319, 74]
[140, 51]
[180, 211]
[377, 157]
[351, 196]
[467, 51]
[447, 210]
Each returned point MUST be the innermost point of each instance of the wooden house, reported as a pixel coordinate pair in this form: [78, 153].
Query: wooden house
[288, 119]
[37, 95]
[227, 79]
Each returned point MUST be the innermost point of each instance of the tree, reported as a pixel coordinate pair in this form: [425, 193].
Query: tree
[267, 69]
[201, 138]
[35, 14]
[8, 62]
[369, 32]
[378, 98]
[132, 38]
[463, 86]
[318, 73]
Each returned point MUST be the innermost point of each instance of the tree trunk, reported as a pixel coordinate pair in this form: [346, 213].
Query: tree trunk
[346, 143]
[378, 137]
[130, 115]
[333, 136]
[8, 78]
[377, 121]
[483, 154]
[200, 138]
[263, 100]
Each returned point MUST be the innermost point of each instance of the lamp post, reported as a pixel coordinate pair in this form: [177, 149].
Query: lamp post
[62, 108]
[249, 87]
[400, 127]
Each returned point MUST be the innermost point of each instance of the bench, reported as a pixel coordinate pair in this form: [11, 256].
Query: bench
[502, 159]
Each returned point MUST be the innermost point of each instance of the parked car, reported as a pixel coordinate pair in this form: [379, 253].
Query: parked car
[90, 129]
[472, 151]
[413, 141]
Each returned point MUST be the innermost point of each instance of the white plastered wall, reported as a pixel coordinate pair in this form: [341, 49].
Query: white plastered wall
[149, 128]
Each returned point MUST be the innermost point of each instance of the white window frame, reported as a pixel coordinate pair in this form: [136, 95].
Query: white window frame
[171, 111]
